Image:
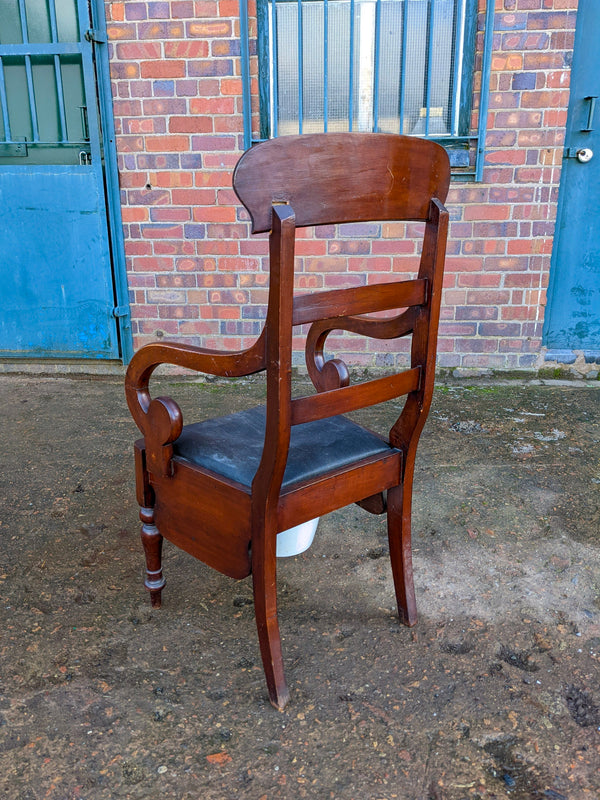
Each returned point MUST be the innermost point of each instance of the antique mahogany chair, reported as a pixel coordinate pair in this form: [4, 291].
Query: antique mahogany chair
[223, 489]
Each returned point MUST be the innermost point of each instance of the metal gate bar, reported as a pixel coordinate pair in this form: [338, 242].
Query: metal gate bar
[300, 69]
[351, 66]
[377, 65]
[458, 56]
[275, 82]
[486, 68]
[403, 70]
[325, 64]
[4, 105]
[62, 117]
[29, 74]
[428, 63]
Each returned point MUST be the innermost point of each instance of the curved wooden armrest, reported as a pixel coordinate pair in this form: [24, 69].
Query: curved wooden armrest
[225, 363]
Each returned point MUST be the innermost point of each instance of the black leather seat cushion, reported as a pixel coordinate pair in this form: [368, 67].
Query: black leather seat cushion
[232, 446]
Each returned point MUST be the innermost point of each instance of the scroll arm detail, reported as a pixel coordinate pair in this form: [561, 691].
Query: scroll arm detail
[164, 426]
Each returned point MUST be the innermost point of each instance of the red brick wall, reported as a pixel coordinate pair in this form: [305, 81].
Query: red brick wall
[195, 275]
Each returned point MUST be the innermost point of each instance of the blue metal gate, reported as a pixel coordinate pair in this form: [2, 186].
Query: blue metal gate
[573, 312]
[59, 295]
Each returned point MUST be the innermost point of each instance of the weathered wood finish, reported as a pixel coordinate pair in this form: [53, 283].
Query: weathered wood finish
[286, 183]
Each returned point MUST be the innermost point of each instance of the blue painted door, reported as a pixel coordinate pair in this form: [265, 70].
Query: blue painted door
[573, 311]
[58, 291]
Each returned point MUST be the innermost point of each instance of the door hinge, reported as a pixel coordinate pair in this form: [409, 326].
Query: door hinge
[96, 36]
[121, 311]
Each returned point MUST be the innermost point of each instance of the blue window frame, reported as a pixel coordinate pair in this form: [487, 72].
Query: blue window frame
[395, 66]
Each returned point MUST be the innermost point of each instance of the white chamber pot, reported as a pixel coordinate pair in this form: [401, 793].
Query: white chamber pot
[297, 539]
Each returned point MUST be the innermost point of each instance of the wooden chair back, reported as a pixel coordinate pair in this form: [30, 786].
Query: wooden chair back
[325, 179]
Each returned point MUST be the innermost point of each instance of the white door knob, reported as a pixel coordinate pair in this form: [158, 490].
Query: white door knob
[585, 154]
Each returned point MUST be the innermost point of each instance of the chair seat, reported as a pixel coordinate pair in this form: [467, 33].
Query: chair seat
[232, 446]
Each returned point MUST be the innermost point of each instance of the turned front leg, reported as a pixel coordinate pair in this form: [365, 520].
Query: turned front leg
[152, 541]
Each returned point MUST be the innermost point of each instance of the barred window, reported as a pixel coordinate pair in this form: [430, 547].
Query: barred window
[394, 66]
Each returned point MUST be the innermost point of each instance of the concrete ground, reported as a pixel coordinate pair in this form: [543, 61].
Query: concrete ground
[494, 694]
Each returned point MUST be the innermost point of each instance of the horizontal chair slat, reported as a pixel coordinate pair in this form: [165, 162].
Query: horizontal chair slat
[361, 300]
[349, 398]
[390, 328]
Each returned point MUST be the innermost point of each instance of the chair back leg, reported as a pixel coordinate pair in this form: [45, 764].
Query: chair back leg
[264, 581]
[398, 516]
